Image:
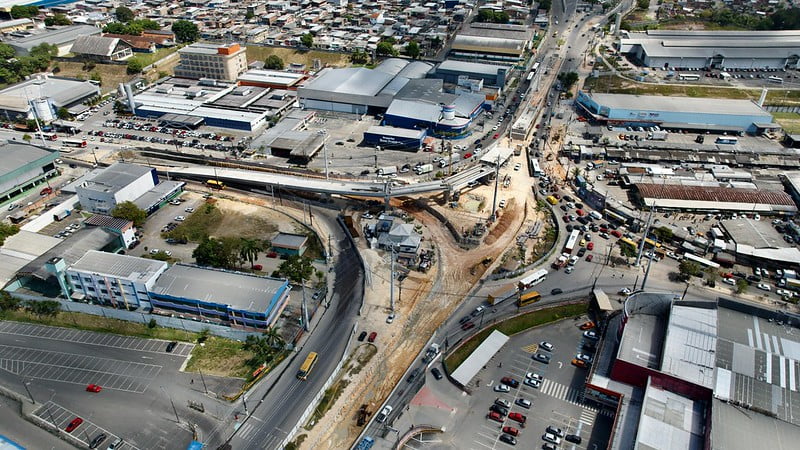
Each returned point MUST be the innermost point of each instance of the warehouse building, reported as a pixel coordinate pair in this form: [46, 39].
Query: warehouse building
[275, 79]
[110, 279]
[713, 199]
[682, 49]
[491, 42]
[394, 138]
[115, 184]
[24, 167]
[451, 71]
[47, 94]
[235, 299]
[681, 113]
[61, 37]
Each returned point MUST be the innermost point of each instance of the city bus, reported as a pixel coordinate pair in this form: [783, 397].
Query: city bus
[571, 241]
[778, 80]
[80, 143]
[537, 170]
[689, 76]
[727, 140]
[214, 184]
[702, 261]
[308, 364]
[629, 242]
[533, 279]
[530, 77]
[535, 67]
[652, 243]
[528, 298]
[50, 136]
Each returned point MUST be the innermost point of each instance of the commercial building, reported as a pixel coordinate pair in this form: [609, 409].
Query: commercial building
[695, 374]
[20, 249]
[275, 79]
[219, 62]
[24, 167]
[394, 138]
[440, 114]
[682, 113]
[676, 197]
[102, 49]
[491, 42]
[124, 228]
[682, 49]
[236, 299]
[61, 37]
[118, 183]
[290, 244]
[757, 243]
[46, 94]
[120, 281]
[10, 26]
[452, 71]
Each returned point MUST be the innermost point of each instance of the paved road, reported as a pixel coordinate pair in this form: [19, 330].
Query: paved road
[276, 409]
[23, 432]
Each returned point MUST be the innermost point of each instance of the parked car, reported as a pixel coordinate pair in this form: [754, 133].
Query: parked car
[502, 402]
[468, 326]
[764, 287]
[532, 383]
[556, 431]
[588, 325]
[556, 291]
[591, 334]
[544, 345]
[549, 437]
[414, 373]
[495, 416]
[518, 417]
[76, 422]
[97, 440]
[362, 336]
[541, 357]
[584, 357]
[436, 373]
[578, 363]
[523, 402]
[508, 439]
[574, 438]
[93, 388]
[511, 430]
[372, 336]
[171, 346]
[501, 388]
[499, 410]
[508, 381]
[390, 318]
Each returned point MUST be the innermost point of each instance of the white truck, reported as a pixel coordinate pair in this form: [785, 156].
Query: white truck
[659, 136]
[446, 160]
[387, 171]
[423, 169]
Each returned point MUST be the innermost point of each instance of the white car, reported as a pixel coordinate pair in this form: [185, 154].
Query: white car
[367, 215]
[534, 376]
[189, 210]
[502, 388]
[153, 251]
[532, 383]
[729, 281]
[764, 287]
[167, 252]
[494, 128]
[502, 203]
[584, 357]
[180, 218]
[624, 291]
[390, 318]
[384, 414]
[517, 166]
[546, 346]
[782, 292]
[569, 269]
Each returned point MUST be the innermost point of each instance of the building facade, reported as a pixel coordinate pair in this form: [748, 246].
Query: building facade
[202, 60]
[115, 184]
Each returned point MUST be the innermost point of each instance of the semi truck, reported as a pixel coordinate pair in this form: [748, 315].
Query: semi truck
[423, 169]
[388, 170]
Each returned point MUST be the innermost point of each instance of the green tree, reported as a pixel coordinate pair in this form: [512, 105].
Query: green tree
[359, 57]
[664, 234]
[135, 65]
[6, 230]
[23, 11]
[6, 51]
[44, 49]
[124, 14]
[627, 250]
[115, 28]
[385, 48]
[185, 31]
[57, 19]
[8, 302]
[642, 4]
[412, 50]
[26, 137]
[296, 268]
[63, 113]
[249, 249]
[209, 253]
[545, 5]
[96, 77]
[45, 308]
[689, 268]
[741, 286]
[307, 40]
[436, 42]
[711, 276]
[161, 255]
[273, 62]
[273, 337]
[568, 79]
[249, 15]
[129, 211]
[576, 172]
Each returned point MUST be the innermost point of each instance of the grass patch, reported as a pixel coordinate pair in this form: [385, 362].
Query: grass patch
[513, 326]
[296, 443]
[291, 55]
[222, 357]
[111, 75]
[198, 225]
[788, 120]
[328, 399]
[150, 58]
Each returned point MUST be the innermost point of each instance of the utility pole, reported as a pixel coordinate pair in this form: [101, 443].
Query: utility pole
[649, 264]
[644, 236]
[303, 307]
[391, 283]
[324, 133]
[205, 388]
[496, 183]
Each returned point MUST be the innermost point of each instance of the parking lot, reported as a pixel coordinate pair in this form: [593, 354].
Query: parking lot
[87, 432]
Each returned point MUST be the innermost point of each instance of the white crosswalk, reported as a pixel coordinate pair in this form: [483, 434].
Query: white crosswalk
[587, 416]
[561, 392]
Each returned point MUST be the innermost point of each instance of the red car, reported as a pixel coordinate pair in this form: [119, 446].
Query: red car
[727, 275]
[517, 417]
[272, 255]
[468, 156]
[589, 257]
[93, 388]
[616, 233]
[587, 325]
[494, 416]
[74, 424]
[590, 246]
[468, 326]
[511, 430]
[372, 336]
[496, 135]
[258, 267]
[558, 197]
[579, 212]
[46, 191]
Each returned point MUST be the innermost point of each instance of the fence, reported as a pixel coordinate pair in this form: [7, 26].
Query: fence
[143, 318]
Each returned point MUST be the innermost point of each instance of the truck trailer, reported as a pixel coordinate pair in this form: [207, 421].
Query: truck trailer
[423, 169]
[388, 170]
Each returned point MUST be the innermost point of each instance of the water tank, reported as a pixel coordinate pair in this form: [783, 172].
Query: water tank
[42, 108]
[448, 112]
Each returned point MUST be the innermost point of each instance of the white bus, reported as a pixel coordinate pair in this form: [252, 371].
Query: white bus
[778, 80]
[571, 241]
[731, 140]
[689, 76]
[537, 171]
[530, 77]
[533, 279]
[535, 67]
[702, 261]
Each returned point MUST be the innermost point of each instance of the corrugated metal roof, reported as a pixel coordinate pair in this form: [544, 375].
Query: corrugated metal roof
[357, 81]
[706, 44]
[470, 67]
[95, 45]
[713, 194]
[470, 367]
[690, 345]
[119, 266]
[679, 104]
[423, 111]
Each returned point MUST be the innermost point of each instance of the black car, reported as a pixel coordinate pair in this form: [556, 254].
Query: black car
[541, 357]
[171, 346]
[556, 291]
[583, 219]
[574, 438]
[464, 320]
[412, 375]
[499, 410]
[581, 252]
[436, 373]
[567, 198]
[508, 439]
[362, 336]
[97, 440]
[564, 207]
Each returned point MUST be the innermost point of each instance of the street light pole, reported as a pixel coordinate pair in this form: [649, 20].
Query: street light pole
[244, 401]
[174, 409]
[26, 384]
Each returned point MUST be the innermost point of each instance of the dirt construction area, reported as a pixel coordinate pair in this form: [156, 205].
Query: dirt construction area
[427, 300]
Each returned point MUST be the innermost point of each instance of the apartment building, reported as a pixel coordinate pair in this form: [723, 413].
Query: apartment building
[201, 60]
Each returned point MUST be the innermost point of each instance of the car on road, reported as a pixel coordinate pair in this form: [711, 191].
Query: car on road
[478, 310]
[76, 422]
[508, 381]
[584, 357]
[508, 439]
[502, 203]
[171, 346]
[362, 336]
[372, 336]
[542, 358]
[189, 210]
[511, 430]
[495, 416]
[436, 373]
[532, 383]
[390, 318]
[93, 388]
[499, 410]
[502, 388]
[589, 257]
[764, 287]
[578, 362]
[464, 320]
[555, 431]
[624, 291]
[517, 166]
[729, 281]
[523, 402]
[414, 373]
[97, 440]
[588, 325]
[384, 414]
[517, 417]
[556, 291]
[591, 334]
[467, 326]
[544, 345]
[367, 215]
[180, 218]
[574, 438]
[46, 191]
[782, 292]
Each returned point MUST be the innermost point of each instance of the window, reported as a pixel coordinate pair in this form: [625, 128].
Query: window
[104, 291]
[76, 278]
[87, 280]
[90, 289]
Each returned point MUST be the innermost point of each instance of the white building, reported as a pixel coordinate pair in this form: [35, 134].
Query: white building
[118, 183]
[111, 279]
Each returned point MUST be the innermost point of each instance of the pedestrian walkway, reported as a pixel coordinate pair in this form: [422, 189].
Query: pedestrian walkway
[587, 416]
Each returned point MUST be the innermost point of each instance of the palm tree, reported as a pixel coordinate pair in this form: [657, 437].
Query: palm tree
[249, 250]
[576, 172]
[273, 337]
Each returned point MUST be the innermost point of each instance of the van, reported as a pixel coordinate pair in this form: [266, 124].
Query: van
[596, 215]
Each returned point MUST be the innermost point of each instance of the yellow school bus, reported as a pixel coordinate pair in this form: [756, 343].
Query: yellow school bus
[309, 363]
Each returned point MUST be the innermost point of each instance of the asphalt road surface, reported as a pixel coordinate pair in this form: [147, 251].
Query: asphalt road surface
[274, 410]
